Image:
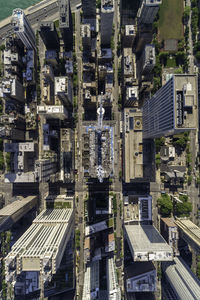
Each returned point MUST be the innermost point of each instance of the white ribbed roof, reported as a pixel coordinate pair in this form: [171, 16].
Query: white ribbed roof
[43, 237]
[54, 215]
[192, 230]
[182, 280]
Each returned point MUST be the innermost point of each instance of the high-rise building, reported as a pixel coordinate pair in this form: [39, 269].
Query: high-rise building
[148, 11]
[49, 35]
[129, 36]
[39, 251]
[148, 59]
[173, 108]
[89, 8]
[23, 29]
[86, 36]
[65, 23]
[107, 13]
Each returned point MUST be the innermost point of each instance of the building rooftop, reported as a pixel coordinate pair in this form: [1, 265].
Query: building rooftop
[130, 30]
[133, 150]
[18, 20]
[107, 5]
[152, 2]
[91, 281]
[95, 228]
[22, 147]
[11, 213]
[86, 30]
[149, 54]
[40, 248]
[169, 222]
[47, 24]
[146, 243]
[185, 92]
[113, 288]
[64, 9]
[185, 286]
[54, 111]
[60, 85]
[192, 230]
[138, 268]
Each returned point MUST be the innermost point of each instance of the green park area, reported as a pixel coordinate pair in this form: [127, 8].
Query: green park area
[170, 20]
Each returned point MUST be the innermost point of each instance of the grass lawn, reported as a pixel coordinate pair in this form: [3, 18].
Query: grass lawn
[170, 20]
[171, 63]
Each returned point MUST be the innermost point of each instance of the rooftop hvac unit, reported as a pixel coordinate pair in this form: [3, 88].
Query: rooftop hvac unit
[138, 124]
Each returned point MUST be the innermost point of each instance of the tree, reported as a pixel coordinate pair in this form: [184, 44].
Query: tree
[163, 56]
[189, 180]
[157, 160]
[2, 47]
[166, 205]
[159, 142]
[197, 55]
[183, 209]
[198, 270]
[186, 14]
[98, 4]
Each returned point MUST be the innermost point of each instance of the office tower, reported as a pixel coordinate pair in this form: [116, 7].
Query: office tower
[65, 23]
[147, 11]
[49, 35]
[23, 29]
[107, 13]
[129, 36]
[86, 36]
[12, 88]
[89, 8]
[148, 59]
[173, 108]
[38, 252]
[131, 96]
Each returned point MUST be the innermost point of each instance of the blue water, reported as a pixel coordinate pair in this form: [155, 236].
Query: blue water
[6, 7]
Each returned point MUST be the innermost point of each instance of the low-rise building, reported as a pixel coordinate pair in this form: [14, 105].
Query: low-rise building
[110, 245]
[169, 231]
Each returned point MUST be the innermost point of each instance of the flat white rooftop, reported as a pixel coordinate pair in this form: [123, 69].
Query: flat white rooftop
[146, 243]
